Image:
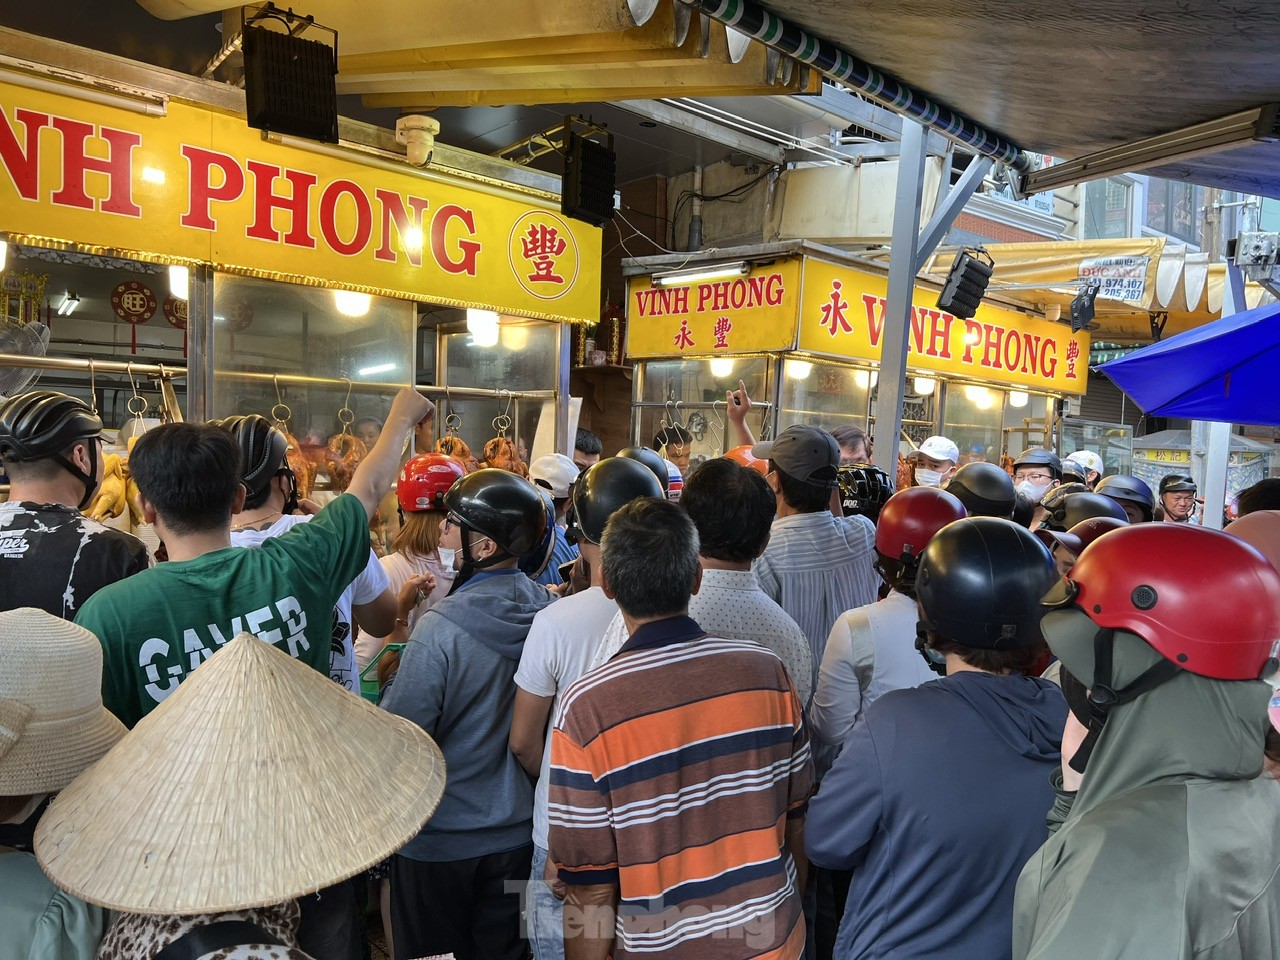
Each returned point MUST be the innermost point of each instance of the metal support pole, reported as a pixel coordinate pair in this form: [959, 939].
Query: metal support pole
[564, 342]
[948, 207]
[200, 345]
[1211, 442]
[897, 310]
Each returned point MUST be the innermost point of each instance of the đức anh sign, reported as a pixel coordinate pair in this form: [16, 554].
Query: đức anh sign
[196, 184]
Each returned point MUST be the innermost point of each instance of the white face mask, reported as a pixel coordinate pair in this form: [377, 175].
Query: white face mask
[1032, 491]
[928, 478]
[448, 558]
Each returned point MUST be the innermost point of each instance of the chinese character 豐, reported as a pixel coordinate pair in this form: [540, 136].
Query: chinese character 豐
[684, 339]
[721, 331]
[833, 313]
[541, 246]
[1073, 354]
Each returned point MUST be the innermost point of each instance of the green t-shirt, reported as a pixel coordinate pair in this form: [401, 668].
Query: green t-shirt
[158, 625]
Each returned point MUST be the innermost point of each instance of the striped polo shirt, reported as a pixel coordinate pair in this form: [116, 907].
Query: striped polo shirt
[674, 770]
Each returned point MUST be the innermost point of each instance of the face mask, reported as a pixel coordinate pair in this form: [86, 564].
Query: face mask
[928, 478]
[448, 558]
[1032, 491]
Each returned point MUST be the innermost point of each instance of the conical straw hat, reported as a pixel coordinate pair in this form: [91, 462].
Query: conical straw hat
[259, 780]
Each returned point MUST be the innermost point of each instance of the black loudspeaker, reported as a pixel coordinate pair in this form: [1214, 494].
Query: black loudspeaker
[590, 172]
[290, 85]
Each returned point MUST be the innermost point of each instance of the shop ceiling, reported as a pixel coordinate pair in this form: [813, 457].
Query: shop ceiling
[1073, 80]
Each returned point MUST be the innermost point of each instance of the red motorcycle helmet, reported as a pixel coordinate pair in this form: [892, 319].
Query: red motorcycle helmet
[742, 456]
[1167, 582]
[425, 479]
[907, 522]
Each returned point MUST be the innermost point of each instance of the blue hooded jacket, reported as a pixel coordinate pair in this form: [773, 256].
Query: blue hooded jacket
[457, 681]
[936, 802]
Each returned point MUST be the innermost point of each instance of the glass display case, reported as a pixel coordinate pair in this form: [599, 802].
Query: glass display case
[1111, 441]
[690, 394]
[263, 328]
[828, 394]
[973, 419]
[513, 359]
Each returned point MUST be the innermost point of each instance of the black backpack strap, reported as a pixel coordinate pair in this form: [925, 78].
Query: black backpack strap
[216, 936]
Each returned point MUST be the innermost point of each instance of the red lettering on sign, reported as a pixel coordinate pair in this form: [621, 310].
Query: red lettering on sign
[972, 337]
[875, 317]
[774, 290]
[23, 166]
[1029, 359]
[1012, 352]
[991, 335]
[117, 165]
[266, 201]
[329, 221]
[200, 189]
[939, 334]
[1049, 357]
[680, 300]
[468, 249]
[393, 211]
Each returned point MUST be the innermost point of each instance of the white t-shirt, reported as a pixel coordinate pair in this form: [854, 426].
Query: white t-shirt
[563, 639]
[878, 639]
[365, 588]
[399, 568]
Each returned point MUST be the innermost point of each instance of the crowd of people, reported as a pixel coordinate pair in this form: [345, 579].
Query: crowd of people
[763, 706]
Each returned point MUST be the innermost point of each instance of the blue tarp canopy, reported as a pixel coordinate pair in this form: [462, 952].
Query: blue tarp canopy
[1227, 370]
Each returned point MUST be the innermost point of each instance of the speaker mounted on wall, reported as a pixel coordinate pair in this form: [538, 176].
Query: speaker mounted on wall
[290, 82]
[590, 174]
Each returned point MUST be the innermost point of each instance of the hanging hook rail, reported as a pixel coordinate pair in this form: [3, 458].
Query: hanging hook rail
[346, 416]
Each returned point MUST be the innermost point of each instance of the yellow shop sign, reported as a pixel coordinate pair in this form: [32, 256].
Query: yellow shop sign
[842, 315]
[715, 317]
[196, 184]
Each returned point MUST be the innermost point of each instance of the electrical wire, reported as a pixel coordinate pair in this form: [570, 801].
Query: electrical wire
[735, 195]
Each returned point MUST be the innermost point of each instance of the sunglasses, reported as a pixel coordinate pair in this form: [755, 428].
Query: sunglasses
[1061, 594]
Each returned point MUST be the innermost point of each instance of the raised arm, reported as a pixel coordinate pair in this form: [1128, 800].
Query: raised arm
[739, 405]
[378, 470]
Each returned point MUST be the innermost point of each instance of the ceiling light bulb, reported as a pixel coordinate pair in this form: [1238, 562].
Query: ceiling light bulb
[862, 379]
[483, 327]
[799, 369]
[352, 304]
[179, 280]
[1018, 398]
[722, 367]
[923, 385]
[4, 253]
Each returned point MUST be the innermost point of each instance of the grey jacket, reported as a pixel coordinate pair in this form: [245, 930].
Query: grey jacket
[1171, 848]
[457, 681]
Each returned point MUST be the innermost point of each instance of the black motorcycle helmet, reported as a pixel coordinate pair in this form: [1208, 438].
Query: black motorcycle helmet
[1039, 457]
[1126, 489]
[1176, 483]
[1065, 510]
[45, 424]
[980, 584]
[501, 506]
[985, 489]
[533, 564]
[604, 488]
[650, 459]
[864, 489]
[1073, 473]
[262, 458]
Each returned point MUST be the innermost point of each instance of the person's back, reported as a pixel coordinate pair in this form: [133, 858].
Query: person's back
[158, 626]
[680, 772]
[456, 681]
[674, 694]
[940, 794]
[816, 565]
[1166, 842]
[950, 808]
[453, 885]
[52, 556]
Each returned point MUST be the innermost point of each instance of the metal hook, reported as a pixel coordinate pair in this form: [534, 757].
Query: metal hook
[679, 419]
[281, 419]
[346, 416]
[717, 423]
[128, 368]
[93, 388]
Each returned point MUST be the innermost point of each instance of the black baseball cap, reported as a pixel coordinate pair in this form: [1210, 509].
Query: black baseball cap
[805, 453]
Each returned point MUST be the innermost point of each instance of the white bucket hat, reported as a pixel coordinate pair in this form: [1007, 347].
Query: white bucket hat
[52, 721]
[554, 472]
[259, 780]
